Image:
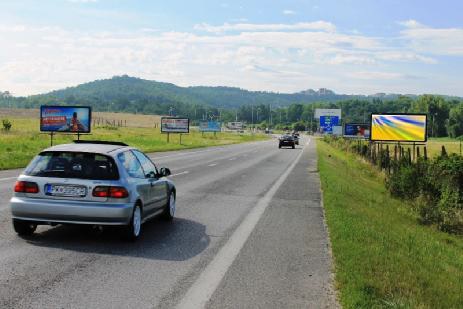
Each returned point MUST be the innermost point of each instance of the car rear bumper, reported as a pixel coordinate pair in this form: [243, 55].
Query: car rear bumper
[75, 212]
[287, 143]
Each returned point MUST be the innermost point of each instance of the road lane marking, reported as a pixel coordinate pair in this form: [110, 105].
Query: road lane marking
[213, 164]
[8, 178]
[183, 154]
[178, 174]
[209, 150]
[204, 287]
[231, 159]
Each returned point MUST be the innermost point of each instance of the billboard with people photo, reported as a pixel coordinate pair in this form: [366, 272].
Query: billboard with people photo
[358, 130]
[73, 119]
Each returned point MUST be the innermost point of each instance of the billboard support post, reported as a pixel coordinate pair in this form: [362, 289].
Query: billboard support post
[167, 137]
[180, 138]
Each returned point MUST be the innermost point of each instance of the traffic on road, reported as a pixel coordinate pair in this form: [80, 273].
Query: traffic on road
[75, 205]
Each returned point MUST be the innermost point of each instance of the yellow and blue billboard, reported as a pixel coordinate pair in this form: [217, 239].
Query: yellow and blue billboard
[398, 127]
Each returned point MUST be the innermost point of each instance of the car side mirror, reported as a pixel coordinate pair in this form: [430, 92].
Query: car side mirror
[164, 172]
[151, 174]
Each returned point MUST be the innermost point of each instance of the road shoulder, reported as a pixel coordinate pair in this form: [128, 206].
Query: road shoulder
[286, 262]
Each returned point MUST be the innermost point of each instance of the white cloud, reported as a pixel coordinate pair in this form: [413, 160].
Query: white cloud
[411, 23]
[376, 75]
[317, 25]
[278, 57]
[289, 12]
[436, 41]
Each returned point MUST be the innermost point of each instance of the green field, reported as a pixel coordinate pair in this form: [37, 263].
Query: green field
[383, 257]
[18, 146]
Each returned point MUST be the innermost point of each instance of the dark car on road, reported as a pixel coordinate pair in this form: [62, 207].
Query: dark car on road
[286, 141]
[296, 138]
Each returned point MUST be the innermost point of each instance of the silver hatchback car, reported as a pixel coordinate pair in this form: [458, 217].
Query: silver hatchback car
[92, 182]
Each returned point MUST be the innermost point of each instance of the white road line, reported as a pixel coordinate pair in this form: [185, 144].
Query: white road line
[178, 174]
[206, 284]
[213, 164]
[8, 178]
[183, 154]
[202, 151]
[231, 159]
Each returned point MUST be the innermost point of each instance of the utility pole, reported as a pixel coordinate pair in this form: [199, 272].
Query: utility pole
[252, 117]
[311, 120]
[269, 115]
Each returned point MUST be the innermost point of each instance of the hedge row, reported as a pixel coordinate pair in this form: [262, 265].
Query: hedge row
[435, 186]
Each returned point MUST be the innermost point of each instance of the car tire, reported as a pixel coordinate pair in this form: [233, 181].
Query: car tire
[279, 146]
[169, 210]
[24, 228]
[133, 230]
[294, 146]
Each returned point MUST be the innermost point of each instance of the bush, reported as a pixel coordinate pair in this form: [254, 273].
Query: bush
[437, 187]
[402, 183]
[6, 125]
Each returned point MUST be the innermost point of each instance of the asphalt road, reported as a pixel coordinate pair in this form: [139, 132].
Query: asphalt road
[248, 233]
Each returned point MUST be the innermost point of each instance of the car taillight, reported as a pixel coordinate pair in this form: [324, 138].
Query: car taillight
[107, 191]
[118, 192]
[26, 187]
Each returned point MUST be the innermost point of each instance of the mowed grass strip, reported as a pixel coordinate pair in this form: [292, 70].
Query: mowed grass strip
[24, 141]
[383, 257]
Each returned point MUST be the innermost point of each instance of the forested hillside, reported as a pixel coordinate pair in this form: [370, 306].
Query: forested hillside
[130, 94]
[265, 109]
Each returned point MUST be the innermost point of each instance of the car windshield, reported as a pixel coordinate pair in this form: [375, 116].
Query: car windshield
[80, 165]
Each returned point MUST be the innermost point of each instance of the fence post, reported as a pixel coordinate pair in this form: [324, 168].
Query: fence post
[425, 150]
[388, 160]
[444, 152]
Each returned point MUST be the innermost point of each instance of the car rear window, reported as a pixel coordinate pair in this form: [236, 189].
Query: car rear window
[80, 165]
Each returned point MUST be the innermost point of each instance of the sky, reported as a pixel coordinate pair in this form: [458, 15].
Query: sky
[349, 46]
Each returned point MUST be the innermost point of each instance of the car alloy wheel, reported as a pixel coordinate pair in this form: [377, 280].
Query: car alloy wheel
[136, 221]
[172, 204]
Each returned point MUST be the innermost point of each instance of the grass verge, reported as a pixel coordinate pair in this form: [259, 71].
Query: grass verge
[18, 146]
[383, 257]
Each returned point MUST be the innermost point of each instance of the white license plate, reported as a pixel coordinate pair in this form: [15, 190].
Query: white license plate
[63, 190]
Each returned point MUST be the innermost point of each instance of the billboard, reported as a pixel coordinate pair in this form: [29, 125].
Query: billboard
[235, 125]
[210, 126]
[398, 127]
[74, 119]
[327, 123]
[359, 130]
[175, 125]
[319, 112]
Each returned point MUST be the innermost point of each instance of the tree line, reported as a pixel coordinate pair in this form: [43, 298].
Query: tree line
[445, 115]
